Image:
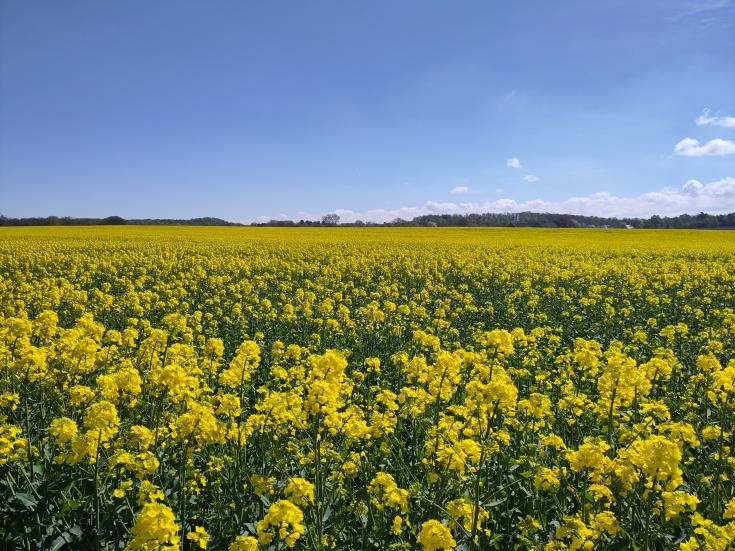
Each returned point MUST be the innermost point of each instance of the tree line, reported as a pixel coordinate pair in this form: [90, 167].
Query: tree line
[488, 219]
[112, 221]
[532, 220]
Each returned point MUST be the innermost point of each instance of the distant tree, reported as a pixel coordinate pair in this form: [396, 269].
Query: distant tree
[52, 220]
[655, 221]
[331, 219]
[565, 221]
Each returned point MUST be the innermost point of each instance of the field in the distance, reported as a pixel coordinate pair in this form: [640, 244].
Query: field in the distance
[366, 388]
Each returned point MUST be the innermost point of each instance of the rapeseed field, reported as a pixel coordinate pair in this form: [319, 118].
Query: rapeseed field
[378, 388]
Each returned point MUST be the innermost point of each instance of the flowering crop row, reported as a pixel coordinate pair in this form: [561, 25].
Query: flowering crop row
[252, 389]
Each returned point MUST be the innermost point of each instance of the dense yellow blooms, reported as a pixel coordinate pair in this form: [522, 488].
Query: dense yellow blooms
[386, 493]
[155, 528]
[244, 543]
[373, 388]
[546, 479]
[300, 491]
[434, 536]
[199, 536]
[462, 513]
[282, 521]
[12, 448]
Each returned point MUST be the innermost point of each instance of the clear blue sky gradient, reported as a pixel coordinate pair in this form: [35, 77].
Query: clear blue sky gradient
[243, 109]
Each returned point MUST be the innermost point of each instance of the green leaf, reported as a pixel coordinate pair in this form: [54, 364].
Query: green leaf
[58, 543]
[327, 514]
[27, 499]
[68, 506]
[496, 502]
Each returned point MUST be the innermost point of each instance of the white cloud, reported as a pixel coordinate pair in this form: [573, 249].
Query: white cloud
[693, 187]
[459, 190]
[513, 162]
[705, 119]
[531, 178]
[689, 147]
[693, 197]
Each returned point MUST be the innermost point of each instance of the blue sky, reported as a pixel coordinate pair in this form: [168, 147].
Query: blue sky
[259, 110]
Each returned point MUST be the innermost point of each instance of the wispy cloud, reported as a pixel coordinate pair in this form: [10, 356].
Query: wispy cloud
[513, 162]
[531, 178]
[688, 8]
[706, 119]
[689, 147]
[459, 190]
[692, 197]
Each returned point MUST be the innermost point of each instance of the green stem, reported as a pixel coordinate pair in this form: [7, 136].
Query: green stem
[182, 494]
[610, 416]
[318, 483]
[97, 487]
[718, 474]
